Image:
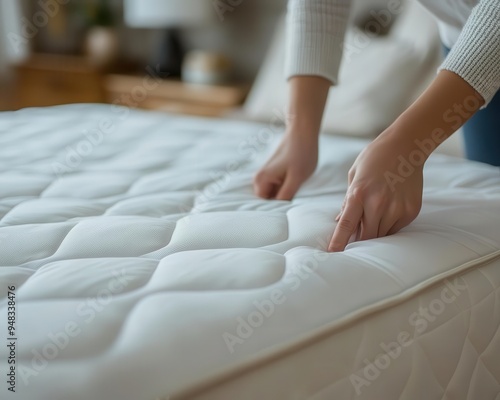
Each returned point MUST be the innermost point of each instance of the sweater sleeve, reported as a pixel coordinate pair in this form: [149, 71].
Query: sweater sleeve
[476, 55]
[315, 36]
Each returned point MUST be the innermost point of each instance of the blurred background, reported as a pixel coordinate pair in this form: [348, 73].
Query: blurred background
[190, 56]
[210, 58]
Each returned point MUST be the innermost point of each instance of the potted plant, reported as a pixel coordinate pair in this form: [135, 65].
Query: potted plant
[101, 43]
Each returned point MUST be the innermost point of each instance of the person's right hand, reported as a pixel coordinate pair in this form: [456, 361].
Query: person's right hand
[380, 200]
[293, 163]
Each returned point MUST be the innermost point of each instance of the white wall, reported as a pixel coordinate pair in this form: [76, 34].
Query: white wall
[244, 34]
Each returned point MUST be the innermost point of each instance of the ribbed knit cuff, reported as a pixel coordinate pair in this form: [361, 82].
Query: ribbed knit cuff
[476, 55]
[315, 35]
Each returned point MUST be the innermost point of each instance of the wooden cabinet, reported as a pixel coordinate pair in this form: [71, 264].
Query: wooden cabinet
[46, 80]
[173, 95]
[6, 97]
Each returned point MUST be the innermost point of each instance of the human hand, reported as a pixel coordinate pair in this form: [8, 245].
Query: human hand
[386, 181]
[292, 163]
[384, 193]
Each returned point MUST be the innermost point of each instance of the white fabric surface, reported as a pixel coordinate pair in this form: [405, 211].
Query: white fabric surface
[475, 56]
[152, 245]
[452, 16]
[317, 27]
[377, 81]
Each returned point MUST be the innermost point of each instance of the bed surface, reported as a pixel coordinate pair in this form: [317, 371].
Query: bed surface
[145, 268]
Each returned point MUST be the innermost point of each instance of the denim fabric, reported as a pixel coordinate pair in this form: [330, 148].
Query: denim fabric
[482, 133]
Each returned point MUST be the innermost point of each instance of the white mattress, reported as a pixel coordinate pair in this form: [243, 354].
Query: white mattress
[135, 266]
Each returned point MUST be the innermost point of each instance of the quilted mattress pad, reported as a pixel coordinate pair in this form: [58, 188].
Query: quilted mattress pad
[141, 266]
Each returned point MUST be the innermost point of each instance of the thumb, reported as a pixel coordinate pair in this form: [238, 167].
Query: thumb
[289, 188]
[264, 185]
[264, 190]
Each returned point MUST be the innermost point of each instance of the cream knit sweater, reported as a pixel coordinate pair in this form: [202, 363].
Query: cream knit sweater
[316, 30]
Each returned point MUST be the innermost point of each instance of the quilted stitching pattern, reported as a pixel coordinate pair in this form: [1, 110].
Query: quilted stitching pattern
[151, 241]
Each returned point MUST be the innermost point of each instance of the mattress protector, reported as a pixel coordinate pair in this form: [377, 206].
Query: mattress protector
[146, 268]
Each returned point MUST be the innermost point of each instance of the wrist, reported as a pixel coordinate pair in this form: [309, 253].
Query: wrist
[408, 143]
[441, 110]
[302, 132]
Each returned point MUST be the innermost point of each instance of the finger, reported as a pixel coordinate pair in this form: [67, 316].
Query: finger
[350, 176]
[369, 226]
[403, 221]
[400, 224]
[386, 226]
[288, 189]
[337, 218]
[347, 225]
[372, 216]
[265, 190]
[355, 236]
[389, 219]
[393, 225]
[396, 226]
[265, 185]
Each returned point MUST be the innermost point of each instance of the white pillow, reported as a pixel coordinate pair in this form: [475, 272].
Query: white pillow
[375, 85]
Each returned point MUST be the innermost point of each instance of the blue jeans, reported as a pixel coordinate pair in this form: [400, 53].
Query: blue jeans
[482, 133]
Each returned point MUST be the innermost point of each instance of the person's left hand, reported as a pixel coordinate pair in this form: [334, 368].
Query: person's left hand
[384, 192]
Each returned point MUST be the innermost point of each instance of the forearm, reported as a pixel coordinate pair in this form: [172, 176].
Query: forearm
[315, 35]
[476, 54]
[307, 100]
[296, 157]
[447, 104]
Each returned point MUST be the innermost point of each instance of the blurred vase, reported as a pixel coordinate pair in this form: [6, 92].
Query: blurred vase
[205, 67]
[102, 46]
